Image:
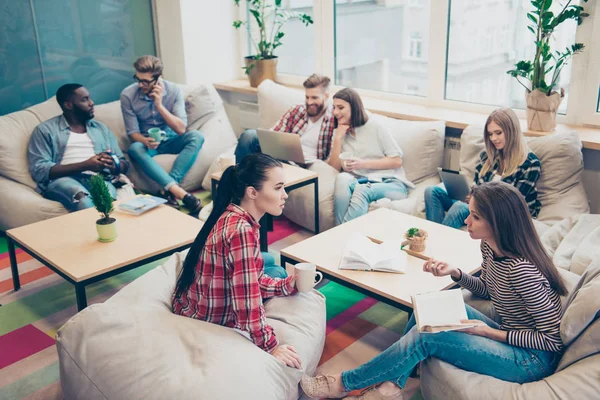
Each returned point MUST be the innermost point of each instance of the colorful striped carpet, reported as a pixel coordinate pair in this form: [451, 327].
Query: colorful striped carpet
[358, 327]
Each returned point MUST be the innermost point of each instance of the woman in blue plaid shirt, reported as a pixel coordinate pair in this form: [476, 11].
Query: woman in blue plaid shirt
[506, 157]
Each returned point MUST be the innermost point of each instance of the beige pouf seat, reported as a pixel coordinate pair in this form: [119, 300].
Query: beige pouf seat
[133, 347]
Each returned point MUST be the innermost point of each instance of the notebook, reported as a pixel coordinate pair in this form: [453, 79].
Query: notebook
[361, 253]
[141, 204]
[441, 311]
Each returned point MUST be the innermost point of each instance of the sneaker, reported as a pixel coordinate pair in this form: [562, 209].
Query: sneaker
[320, 386]
[373, 393]
[171, 199]
[192, 204]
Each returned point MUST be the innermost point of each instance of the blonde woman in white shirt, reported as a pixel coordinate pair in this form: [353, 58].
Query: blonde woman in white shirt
[375, 169]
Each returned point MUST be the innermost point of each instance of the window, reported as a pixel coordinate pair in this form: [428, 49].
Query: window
[297, 53]
[443, 53]
[385, 42]
[44, 45]
[471, 66]
[415, 45]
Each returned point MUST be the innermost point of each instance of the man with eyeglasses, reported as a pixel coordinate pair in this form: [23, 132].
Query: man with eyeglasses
[156, 105]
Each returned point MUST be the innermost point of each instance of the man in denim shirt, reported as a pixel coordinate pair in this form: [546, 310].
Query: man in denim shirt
[65, 151]
[153, 102]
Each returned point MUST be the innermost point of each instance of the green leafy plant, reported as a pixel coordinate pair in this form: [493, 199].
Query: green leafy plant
[543, 23]
[102, 199]
[270, 17]
[412, 232]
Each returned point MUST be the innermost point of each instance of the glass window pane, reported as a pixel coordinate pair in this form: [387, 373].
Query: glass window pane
[481, 49]
[21, 83]
[45, 44]
[297, 52]
[382, 45]
[93, 42]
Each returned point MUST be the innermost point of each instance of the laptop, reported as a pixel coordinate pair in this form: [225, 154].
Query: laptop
[456, 184]
[281, 145]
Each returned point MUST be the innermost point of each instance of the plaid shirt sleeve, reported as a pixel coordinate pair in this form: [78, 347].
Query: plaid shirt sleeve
[482, 158]
[273, 287]
[526, 181]
[286, 121]
[244, 255]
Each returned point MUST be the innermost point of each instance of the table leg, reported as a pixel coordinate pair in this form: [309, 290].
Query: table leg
[81, 297]
[316, 185]
[13, 263]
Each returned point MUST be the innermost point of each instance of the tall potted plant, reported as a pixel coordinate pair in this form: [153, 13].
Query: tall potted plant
[270, 17]
[103, 201]
[542, 95]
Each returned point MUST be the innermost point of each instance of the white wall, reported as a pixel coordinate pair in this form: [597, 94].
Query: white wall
[196, 40]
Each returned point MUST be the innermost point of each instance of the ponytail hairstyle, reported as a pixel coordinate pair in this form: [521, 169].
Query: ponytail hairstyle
[250, 172]
[505, 209]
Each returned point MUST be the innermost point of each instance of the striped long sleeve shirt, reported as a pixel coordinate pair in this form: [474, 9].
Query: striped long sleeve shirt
[230, 281]
[530, 309]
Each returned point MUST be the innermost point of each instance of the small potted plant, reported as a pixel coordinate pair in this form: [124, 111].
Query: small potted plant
[415, 238]
[103, 201]
[541, 92]
[270, 16]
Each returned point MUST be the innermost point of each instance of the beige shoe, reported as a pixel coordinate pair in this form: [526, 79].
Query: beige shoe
[320, 386]
[374, 394]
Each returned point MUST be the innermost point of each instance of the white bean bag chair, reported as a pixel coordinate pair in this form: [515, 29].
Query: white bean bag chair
[133, 347]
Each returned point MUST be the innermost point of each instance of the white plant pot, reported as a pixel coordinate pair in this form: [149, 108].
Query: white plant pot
[107, 232]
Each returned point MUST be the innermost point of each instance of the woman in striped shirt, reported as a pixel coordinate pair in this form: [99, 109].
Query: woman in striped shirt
[506, 157]
[517, 276]
[223, 279]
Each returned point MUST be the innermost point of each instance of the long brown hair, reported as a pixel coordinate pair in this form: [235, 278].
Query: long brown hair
[358, 116]
[504, 208]
[515, 148]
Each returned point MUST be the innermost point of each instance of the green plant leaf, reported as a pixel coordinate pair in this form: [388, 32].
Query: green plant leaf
[532, 30]
[257, 17]
[100, 195]
[237, 24]
[532, 18]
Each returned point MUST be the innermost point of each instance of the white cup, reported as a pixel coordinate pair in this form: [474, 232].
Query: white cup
[345, 157]
[226, 161]
[306, 276]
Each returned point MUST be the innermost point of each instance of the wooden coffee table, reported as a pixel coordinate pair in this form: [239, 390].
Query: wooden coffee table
[69, 244]
[444, 243]
[295, 177]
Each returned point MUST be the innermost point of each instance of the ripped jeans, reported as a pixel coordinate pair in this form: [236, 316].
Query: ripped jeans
[66, 191]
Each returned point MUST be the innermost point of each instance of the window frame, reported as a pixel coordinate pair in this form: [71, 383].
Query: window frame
[583, 97]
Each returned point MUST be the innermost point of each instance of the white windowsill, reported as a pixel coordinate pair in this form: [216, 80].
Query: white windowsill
[590, 136]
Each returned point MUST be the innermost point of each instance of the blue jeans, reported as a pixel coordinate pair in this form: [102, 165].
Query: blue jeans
[468, 352]
[187, 146]
[247, 144]
[351, 199]
[272, 269]
[66, 189]
[437, 202]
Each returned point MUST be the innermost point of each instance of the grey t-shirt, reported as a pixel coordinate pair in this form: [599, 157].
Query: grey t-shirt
[371, 142]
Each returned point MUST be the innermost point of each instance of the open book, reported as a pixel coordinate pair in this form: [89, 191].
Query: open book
[141, 204]
[363, 254]
[441, 311]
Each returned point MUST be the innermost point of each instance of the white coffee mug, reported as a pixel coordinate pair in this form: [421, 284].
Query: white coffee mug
[226, 161]
[306, 276]
[344, 157]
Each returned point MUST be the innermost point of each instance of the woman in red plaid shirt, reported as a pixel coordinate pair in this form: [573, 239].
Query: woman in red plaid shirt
[223, 279]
